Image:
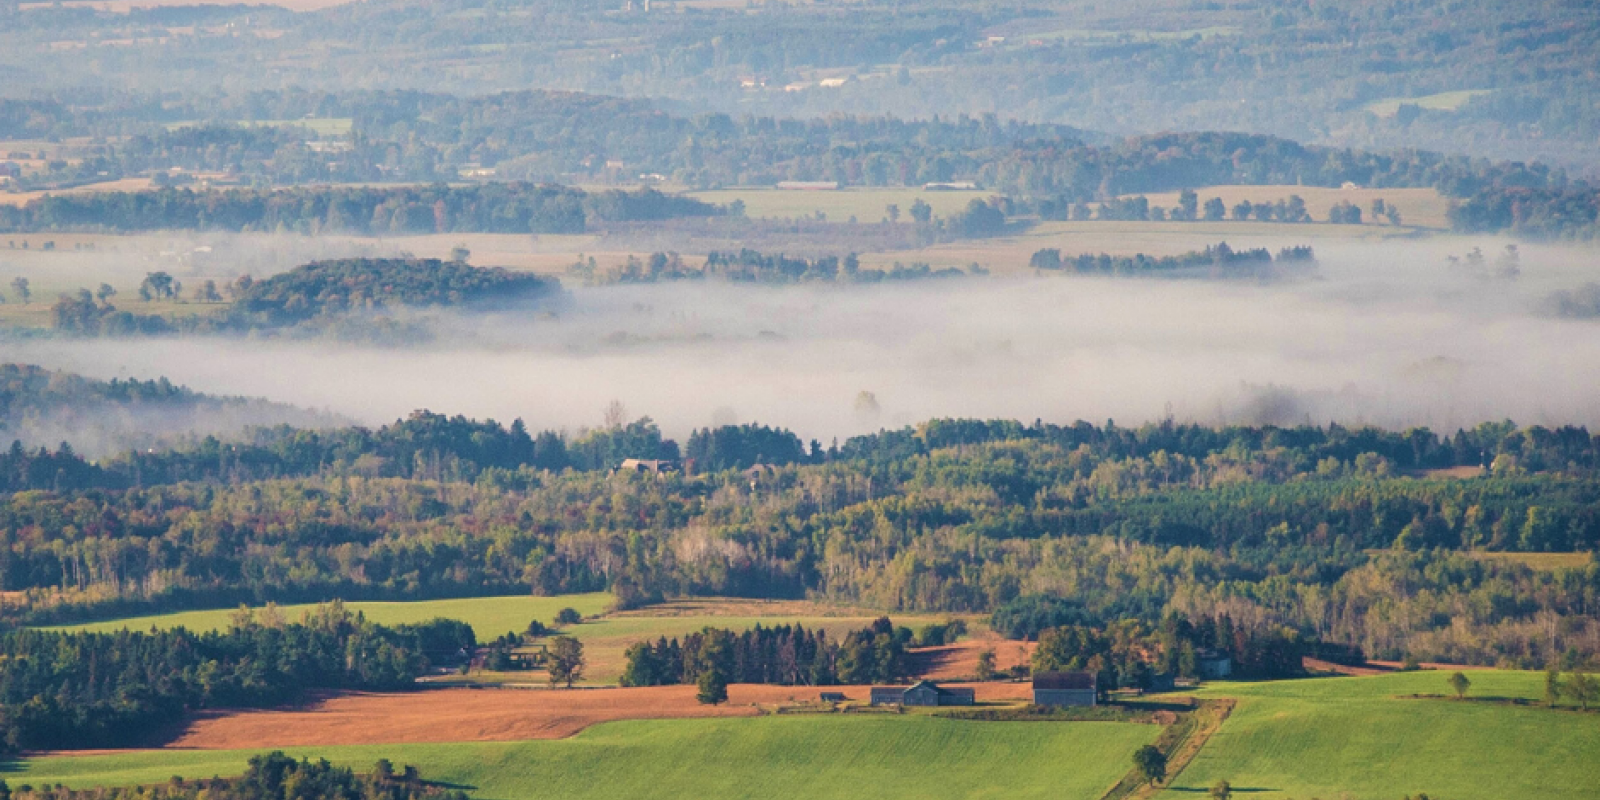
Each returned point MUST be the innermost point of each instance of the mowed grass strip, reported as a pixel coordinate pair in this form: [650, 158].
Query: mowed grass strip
[488, 616]
[813, 757]
[1360, 738]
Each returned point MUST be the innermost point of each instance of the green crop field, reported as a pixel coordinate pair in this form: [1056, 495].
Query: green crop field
[1354, 737]
[813, 757]
[488, 616]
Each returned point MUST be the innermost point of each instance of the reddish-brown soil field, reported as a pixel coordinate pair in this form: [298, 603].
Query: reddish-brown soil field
[486, 715]
[959, 661]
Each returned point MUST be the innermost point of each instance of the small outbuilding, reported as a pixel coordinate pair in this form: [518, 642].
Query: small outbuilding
[1213, 664]
[833, 697]
[1057, 689]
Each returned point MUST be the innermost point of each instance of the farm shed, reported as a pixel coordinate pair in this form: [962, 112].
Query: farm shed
[834, 697]
[1064, 689]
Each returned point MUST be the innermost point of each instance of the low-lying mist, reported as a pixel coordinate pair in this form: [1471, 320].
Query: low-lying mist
[1388, 336]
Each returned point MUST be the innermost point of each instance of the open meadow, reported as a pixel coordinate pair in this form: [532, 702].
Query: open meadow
[1419, 208]
[1357, 738]
[488, 616]
[816, 757]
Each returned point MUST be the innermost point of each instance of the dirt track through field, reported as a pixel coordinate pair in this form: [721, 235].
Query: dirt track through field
[490, 715]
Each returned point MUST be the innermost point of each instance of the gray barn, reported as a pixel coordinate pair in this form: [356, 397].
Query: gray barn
[921, 693]
[1064, 689]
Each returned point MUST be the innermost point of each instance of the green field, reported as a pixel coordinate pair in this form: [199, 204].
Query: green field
[488, 616]
[1443, 101]
[1353, 737]
[812, 757]
[866, 205]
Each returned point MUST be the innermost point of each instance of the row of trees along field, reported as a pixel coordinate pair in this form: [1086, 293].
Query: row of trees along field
[750, 266]
[267, 777]
[1219, 257]
[1337, 533]
[86, 690]
[436, 208]
[785, 655]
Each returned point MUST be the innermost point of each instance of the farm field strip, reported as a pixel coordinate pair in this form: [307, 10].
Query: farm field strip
[805, 756]
[488, 616]
[496, 715]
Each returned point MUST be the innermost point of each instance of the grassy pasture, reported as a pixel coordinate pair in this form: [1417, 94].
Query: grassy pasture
[1541, 561]
[812, 756]
[866, 205]
[488, 616]
[121, 185]
[1419, 208]
[1443, 101]
[1011, 253]
[1355, 737]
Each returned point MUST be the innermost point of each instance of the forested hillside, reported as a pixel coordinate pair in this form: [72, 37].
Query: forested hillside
[1322, 529]
[1500, 80]
[489, 208]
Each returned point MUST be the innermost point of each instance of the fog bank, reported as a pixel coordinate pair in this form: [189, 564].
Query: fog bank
[1389, 337]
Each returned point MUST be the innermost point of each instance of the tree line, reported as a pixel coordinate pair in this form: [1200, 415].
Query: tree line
[751, 266]
[272, 776]
[1215, 257]
[485, 208]
[1551, 213]
[1317, 529]
[785, 655]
